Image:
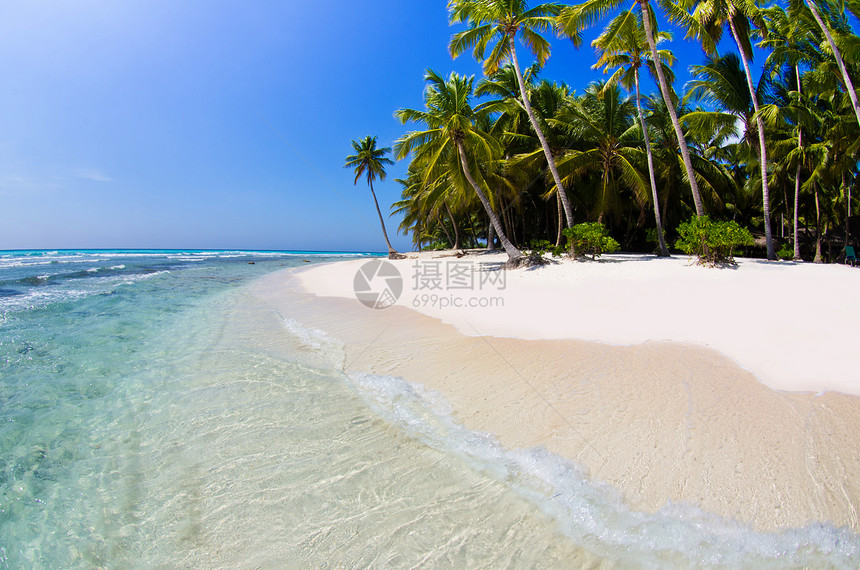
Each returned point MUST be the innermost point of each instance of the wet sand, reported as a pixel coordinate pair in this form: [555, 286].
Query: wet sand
[660, 422]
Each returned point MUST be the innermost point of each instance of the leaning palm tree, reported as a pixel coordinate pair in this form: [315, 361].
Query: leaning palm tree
[452, 144]
[849, 85]
[576, 18]
[624, 48]
[503, 21]
[550, 99]
[706, 21]
[711, 171]
[371, 162]
[547, 99]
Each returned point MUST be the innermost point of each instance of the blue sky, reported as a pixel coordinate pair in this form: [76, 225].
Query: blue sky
[216, 123]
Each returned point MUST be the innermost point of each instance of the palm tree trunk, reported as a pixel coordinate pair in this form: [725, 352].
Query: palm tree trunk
[454, 224]
[782, 214]
[448, 235]
[568, 211]
[506, 220]
[849, 85]
[392, 253]
[846, 188]
[670, 106]
[796, 205]
[665, 210]
[513, 252]
[765, 190]
[604, 183]
[817, 229]
[560, 217]
[663, 252]
[797, 177]
[491, 237]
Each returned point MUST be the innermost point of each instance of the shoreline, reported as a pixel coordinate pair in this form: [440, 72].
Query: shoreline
[663, 423]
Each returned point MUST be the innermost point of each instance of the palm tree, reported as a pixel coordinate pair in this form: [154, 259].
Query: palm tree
[425, 207]
[371, 162]
[503, 21]
[624, 48]
[708, 158]
[608, 156]
[547, 99]
[835, 149]
[849, 85]
[706, 24]
[452, 143]
[550, 99]
[574, 19]
[790, 42]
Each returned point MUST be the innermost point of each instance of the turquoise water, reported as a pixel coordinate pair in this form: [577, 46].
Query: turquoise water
[153, 414]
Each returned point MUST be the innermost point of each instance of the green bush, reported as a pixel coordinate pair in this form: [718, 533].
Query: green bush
[712, 242]
[590, 239]
[786, 252]
[540, 246]
[436, 245]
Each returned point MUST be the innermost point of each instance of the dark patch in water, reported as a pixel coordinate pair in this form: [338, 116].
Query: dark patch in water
[34, 280]
[10, 292]
[57, 278]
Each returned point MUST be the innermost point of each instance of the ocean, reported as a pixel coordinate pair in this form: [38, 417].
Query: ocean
[153, 414]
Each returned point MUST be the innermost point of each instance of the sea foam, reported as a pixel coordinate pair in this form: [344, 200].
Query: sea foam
[592, 514]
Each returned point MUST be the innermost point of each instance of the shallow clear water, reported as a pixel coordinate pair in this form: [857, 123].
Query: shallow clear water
[149, 417]
[153, 414]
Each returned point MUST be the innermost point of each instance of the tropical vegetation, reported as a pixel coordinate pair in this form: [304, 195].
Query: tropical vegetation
[371, 161]
[731, 162]
[712, 242]
[590, 238]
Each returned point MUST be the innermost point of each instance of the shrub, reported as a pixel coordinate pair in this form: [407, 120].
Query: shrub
[786, 252]
[436, 245]
[559, 250]
[540, 246]
[590, 239]
[712, 242]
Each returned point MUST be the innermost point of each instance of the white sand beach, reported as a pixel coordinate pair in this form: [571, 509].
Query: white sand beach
[796, 326]
[731, 390]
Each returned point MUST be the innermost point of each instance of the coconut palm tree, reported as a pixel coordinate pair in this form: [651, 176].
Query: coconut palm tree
[706, 21]
[849, 85]
[547, 99]
[608, 156]
[550, 99]
[573, 19]
[502, 22]
[789, 40]
[708, 158]
[451, 142]
[835, 147]
[424, 209]
[622, 47]
[371, 161]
